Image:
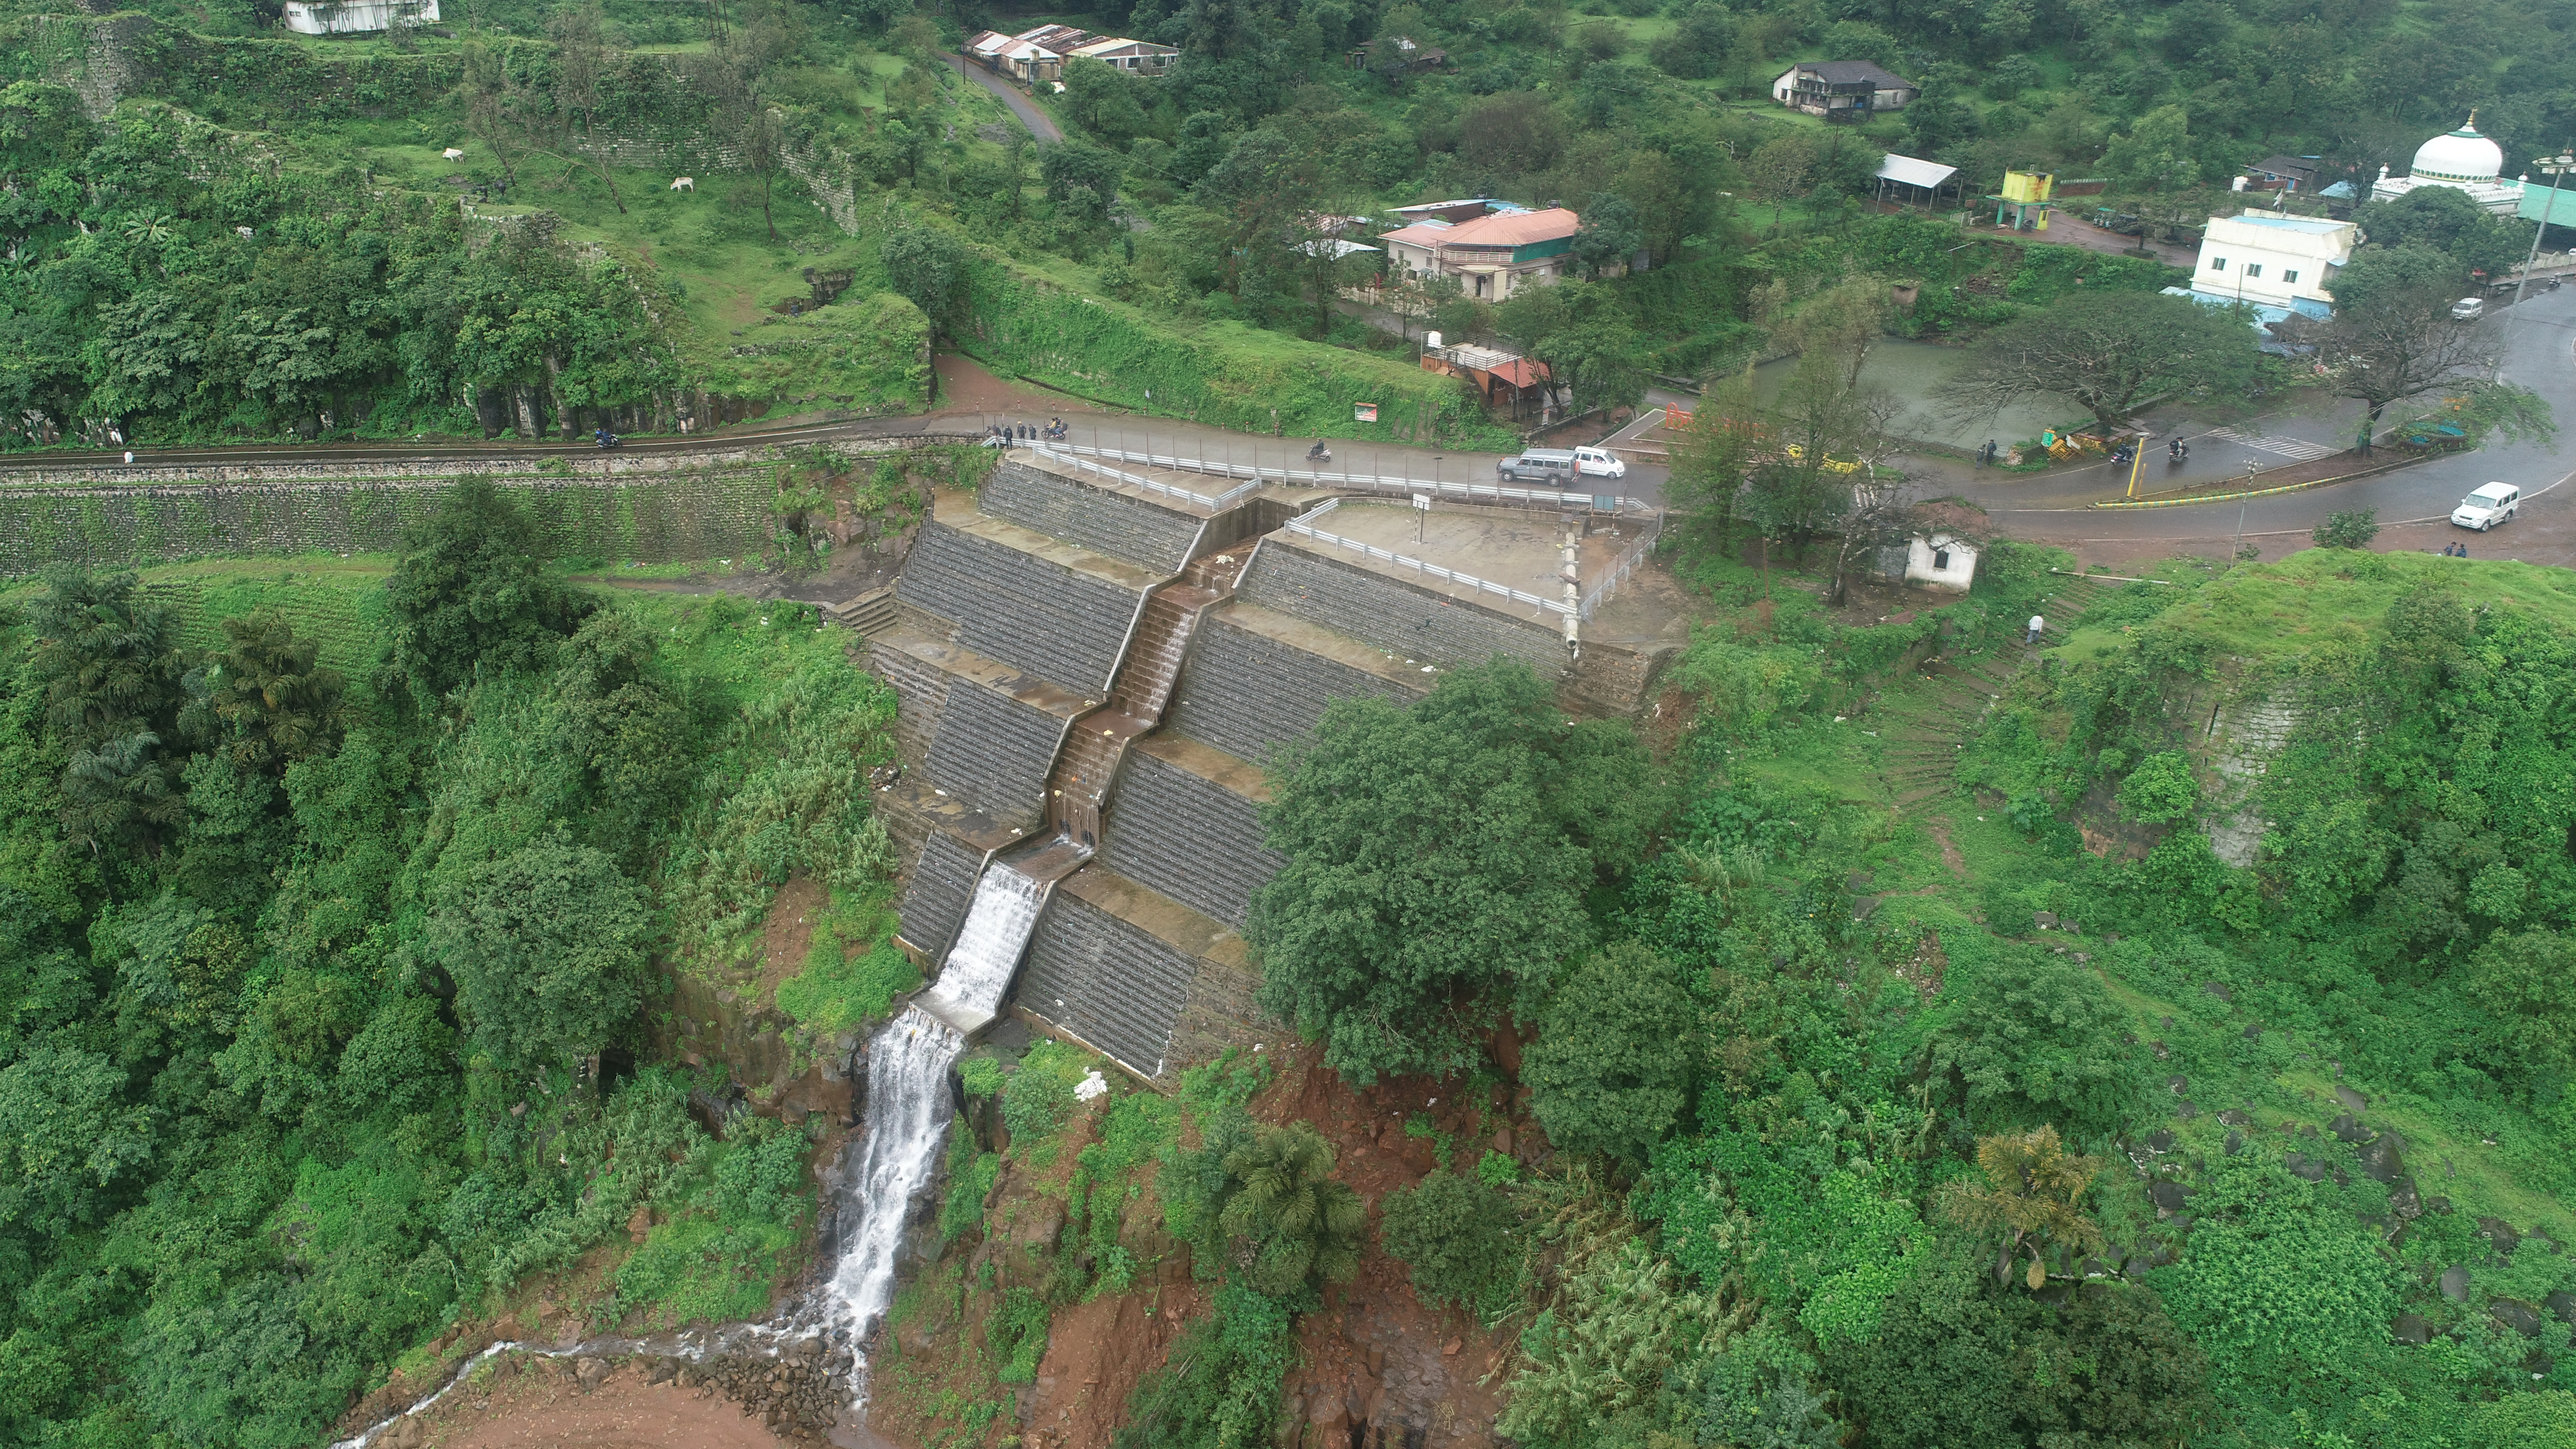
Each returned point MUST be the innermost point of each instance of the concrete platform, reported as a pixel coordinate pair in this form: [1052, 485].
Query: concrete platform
[1515, 548]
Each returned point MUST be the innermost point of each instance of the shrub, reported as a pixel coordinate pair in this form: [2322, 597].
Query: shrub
[2354, 529]
[1609, 1072]
[1456, 1235]
[2161, 788]
[2034, 1038]
[1300, 1227]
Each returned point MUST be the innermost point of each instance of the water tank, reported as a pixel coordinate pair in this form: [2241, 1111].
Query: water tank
[1431, 339]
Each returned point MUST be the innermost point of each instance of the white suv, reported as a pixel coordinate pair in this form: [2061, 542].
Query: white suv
[1599, 463]
[2489, 506]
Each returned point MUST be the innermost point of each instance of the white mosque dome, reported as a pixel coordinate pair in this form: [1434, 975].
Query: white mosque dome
[2463, 155]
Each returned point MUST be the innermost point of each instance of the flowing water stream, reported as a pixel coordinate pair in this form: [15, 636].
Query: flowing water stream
[908, 1111]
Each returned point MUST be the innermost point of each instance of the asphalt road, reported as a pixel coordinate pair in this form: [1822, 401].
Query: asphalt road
[1039, 123]
[2413, 503]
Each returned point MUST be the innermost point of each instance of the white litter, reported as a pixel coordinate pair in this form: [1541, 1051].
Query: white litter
[1090, 1087]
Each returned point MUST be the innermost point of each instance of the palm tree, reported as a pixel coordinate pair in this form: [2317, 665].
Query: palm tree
[1297, 1225]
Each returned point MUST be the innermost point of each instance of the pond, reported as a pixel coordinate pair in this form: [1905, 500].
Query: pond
[1911, 370]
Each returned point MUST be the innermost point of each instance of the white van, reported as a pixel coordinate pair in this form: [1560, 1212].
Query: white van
[1599, 463]
[2493, 504]
[2468, 309]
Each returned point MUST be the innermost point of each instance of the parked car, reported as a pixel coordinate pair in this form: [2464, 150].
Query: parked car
[2493, 504]
[1539, 465]
[2468, 309]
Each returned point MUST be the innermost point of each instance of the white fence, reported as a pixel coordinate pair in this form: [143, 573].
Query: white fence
[1320, 478]
[1634, 555]
[1304, 527]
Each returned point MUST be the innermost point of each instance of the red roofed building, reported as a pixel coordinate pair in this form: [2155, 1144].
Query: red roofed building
[1492, 255]
[1506, 380]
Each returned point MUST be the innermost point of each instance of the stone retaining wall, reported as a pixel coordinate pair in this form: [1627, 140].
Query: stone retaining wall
[1190, 838]
[1057, 623]
[1089, 517]
[1110, 983]
[1408, 621]
[1247, 694]
[992, 752]
[942, 884]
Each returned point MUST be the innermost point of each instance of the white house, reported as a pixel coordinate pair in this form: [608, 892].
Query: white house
[2277, 263]
[357, 17]
[1841, 90]
[2462, 160]
[1941, 561]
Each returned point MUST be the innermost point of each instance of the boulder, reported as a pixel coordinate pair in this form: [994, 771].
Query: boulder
[2235, 1142]
[2455, 1284]
[2402, 1199]
[590, 1372]
[2304, 1169]
[2161, 1140]
[2353, 1101]
[2517, 1315]
[2168, 1197]
[2411, 1328]
[2562, 1305]
[2219, 990]
[2349, 1128]
[2383, 1159]
[2499, 1234]
[2185, 1110]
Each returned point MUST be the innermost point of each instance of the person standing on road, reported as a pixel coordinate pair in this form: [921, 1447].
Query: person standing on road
[2038, 626]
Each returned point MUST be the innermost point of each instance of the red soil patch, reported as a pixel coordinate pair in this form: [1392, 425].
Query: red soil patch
[1096, 1354]
[1376, 1353]
[788, 933]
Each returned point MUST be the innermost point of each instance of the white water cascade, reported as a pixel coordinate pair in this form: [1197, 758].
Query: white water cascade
[908, 1107]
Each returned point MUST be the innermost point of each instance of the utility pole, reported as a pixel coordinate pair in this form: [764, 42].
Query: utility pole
[2552, 167]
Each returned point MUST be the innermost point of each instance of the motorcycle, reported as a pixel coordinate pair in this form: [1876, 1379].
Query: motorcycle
[606, 439]
[2121, 456]
[1319, 453]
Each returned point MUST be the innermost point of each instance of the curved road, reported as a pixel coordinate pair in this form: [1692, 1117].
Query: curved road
[1040, 124]
[2413, 503]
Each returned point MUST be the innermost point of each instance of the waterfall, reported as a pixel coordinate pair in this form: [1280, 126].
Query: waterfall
[908, 1103]
[998, 921]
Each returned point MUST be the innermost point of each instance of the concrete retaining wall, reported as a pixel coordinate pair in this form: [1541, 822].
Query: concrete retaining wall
[1025, 611]
[1113, 984]
[1410, 622]
[1246, 693]
[1192, 839]
[993, 752]
[942, 884]
[921, 694]
[1089, 517]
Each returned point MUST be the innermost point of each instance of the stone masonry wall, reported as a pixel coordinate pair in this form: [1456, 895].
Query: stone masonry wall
[1412, 623]
[1192, 839]
[1108, 982]
[993, 753]
[1247, 694]
[920, 692]
[1087, 517]
[1055, 623]
[942, 884]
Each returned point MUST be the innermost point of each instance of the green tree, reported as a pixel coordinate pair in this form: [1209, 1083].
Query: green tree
[108, 657]
[1081, 179]
[2161, 788]
[2030, 1037]
[1609, 236]
[1457, 1236]
[469, 594]
[2032, 1198]
[67, 1138]
[2158, 153]
[546, 946]
[261, 699]
[1438, 858]
[2527, 983]
[2445, 219]
[928, 266]
[1300, 1227]
[2106, 352]
[1612, 1069]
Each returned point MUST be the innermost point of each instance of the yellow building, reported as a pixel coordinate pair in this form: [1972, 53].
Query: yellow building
[2023, 204]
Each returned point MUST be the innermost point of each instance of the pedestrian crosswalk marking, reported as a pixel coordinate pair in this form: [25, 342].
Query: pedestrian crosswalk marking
[2273, 443]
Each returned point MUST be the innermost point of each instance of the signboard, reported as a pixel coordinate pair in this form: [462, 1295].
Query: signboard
[1364, 412]
[1422, 501]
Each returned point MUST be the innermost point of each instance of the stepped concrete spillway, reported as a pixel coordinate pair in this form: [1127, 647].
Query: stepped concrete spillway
[1096, 663]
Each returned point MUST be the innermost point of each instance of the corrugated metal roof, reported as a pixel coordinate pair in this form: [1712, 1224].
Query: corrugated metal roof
[1915, 172]
[1515, 229]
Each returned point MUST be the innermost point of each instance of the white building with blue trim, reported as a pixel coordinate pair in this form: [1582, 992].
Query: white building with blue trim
[2281, 266]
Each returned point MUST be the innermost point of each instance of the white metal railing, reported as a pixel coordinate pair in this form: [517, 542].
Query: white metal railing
[1319, 478]
[1304, 526]
[1168, 490]
[1632, 556]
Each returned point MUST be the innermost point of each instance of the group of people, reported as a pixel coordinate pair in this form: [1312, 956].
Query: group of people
[2177, 450]
[2455, 550]
[1054, 432]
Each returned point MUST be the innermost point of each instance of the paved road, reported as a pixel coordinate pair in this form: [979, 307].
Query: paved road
[2412, 502]
[1040, 124]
